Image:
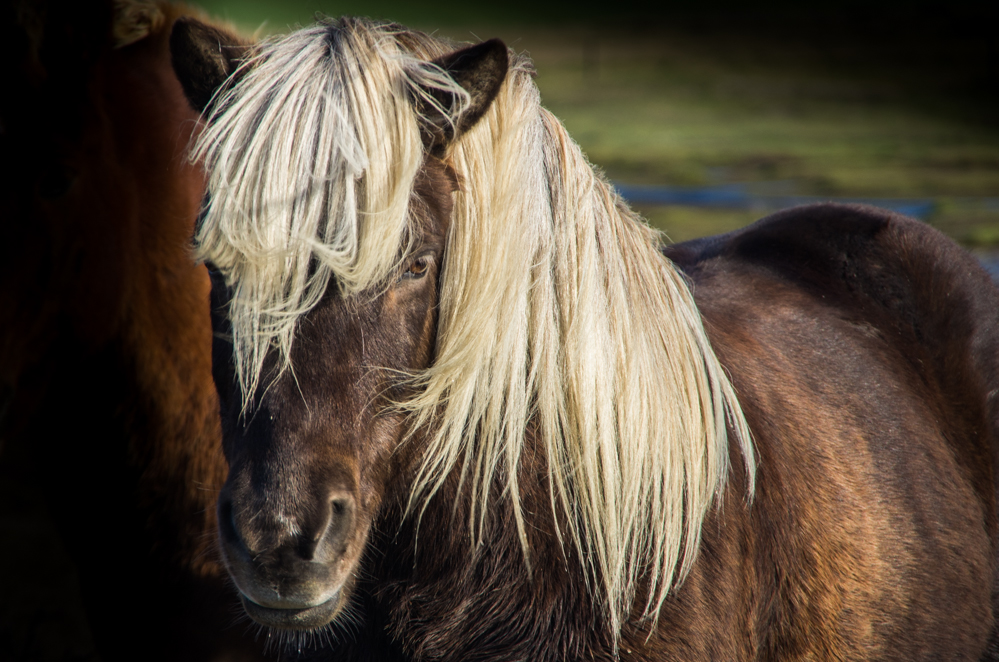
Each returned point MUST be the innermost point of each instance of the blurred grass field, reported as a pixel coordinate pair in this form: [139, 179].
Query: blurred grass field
[696, 103]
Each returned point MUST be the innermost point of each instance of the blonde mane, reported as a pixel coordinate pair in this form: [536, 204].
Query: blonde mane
[559, 316]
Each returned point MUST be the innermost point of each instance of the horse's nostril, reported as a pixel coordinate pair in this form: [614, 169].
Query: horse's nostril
[330, 534]
[341, 520]
[340, 507]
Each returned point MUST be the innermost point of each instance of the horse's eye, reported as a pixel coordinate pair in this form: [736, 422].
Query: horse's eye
[418, 268]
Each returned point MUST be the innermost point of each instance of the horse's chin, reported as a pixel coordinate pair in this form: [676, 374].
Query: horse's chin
[308, 618]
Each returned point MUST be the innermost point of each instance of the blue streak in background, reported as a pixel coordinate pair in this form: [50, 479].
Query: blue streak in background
[738, 196]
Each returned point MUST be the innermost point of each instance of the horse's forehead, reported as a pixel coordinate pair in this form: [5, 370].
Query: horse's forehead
[435, 185]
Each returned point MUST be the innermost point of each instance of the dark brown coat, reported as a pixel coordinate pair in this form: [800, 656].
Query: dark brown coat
[865, 349]
[110, 432]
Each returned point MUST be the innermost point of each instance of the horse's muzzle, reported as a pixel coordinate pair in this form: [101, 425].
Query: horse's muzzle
[292, 572]
[309, 618]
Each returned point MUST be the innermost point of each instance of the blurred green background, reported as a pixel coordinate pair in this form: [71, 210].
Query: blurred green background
[886, 100]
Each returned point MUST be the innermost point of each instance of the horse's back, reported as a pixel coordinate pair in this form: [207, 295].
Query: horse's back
[865, 350]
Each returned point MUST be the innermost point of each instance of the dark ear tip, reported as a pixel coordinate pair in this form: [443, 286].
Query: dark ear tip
[497, 48]
[493, 51]
[182, 32]
[499, 53]
[203, 57]
[191, 60]
[480, 70]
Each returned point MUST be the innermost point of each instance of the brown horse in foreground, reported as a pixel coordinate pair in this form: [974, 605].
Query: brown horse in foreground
[110, 416]
[472, 413]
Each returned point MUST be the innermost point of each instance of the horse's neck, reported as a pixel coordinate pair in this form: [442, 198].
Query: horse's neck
[425, 573]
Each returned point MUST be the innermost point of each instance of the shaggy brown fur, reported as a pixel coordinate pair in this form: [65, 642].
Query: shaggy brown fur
[111, 416]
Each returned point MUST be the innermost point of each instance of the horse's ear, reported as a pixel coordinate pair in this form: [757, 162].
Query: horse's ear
[203, 58]
[480, 70]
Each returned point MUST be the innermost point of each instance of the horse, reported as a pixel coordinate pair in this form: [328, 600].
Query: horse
[475, 409]
[110, 429]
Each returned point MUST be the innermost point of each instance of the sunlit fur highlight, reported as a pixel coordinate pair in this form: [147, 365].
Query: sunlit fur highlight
[559, 317]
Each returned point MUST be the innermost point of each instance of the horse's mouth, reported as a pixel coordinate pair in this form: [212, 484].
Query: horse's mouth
[308, 618]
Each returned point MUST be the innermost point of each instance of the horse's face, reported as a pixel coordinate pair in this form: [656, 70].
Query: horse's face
[313, 460]
[310, 465]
